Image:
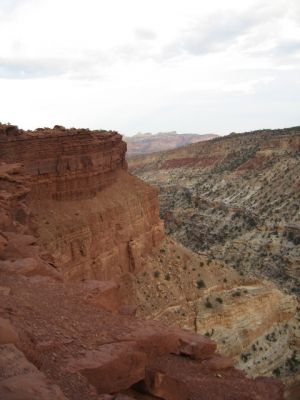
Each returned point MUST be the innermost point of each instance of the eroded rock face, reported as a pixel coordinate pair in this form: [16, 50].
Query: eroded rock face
[171, 379]
[65, 164]
[250, 319]
[93, 219]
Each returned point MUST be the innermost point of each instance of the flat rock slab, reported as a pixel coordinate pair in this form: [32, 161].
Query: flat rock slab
[113, 367]
[175, 378]
[195, 346]
[104, 294]
[157, 341]
[117, 366]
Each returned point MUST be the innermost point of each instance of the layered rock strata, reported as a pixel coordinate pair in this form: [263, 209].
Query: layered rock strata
[235, 201]
[92, 219]
[235, 198]
[250, 319]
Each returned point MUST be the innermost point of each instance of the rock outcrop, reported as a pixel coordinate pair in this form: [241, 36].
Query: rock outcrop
[93, 220]
[70, 348]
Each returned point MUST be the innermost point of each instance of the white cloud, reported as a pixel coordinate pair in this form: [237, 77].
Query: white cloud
[140, 65]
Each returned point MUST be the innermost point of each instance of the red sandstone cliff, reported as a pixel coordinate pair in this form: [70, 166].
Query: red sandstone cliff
[93, 219]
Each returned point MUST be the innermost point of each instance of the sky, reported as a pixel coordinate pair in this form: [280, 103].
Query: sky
[193, 66]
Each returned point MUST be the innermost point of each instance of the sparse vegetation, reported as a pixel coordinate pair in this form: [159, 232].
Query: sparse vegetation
[208, 303]
[201, 284]
[167, 277]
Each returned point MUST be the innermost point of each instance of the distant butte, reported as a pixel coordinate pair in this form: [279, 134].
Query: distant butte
[145, 143]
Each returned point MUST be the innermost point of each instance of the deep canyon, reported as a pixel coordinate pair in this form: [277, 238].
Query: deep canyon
[97, 302]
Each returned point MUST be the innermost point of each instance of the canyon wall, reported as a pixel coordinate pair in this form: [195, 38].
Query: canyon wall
[249, 318]
[235, 201]
[235, 198]
[92, 219]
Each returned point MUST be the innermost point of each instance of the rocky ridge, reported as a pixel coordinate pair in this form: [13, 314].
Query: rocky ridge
[145, 143]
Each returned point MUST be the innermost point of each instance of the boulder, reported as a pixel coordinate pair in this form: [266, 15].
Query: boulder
[177, 378]
[113, 367]
[104, 294]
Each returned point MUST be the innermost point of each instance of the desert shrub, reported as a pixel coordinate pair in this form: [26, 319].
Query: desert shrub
[208, 303]
[270, 337]
[245, 356]
[201, 284]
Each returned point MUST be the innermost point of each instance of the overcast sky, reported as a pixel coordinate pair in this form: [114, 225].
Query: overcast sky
[148, 66]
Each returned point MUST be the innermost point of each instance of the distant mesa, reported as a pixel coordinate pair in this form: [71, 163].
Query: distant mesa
[146, 143]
